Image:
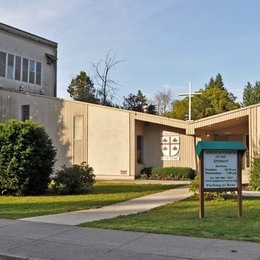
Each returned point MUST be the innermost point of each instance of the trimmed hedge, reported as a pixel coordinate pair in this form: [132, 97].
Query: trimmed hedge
[168, 173]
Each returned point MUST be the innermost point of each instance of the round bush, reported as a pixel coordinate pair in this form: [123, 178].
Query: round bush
[27, 157]
[76, 179]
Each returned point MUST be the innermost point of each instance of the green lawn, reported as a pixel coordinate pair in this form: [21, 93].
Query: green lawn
[103, 194]
[181, 218]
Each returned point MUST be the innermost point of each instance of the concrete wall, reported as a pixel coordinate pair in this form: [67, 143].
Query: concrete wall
[105, 143]
[108, 142]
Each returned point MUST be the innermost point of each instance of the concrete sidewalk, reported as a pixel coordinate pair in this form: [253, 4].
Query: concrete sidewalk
[133, 206]
[42, 241]
[59, 239]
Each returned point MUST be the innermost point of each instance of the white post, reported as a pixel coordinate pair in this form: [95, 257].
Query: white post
[189, 100]
[190, 95]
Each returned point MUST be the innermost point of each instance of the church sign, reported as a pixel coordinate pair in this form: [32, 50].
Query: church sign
[220, 169]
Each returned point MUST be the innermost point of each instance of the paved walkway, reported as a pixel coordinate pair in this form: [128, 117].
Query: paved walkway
[55, 237]
[123, 208]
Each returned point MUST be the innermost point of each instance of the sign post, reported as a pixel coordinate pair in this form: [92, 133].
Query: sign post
[220, 169]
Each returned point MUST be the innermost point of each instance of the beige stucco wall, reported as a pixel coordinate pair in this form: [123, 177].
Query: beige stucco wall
[48, 112]
[108, 142]
[106, 133]
[152, 147]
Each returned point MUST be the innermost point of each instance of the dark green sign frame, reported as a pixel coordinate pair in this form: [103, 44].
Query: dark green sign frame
[220, 169]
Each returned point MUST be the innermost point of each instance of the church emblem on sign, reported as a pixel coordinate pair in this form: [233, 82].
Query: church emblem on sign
[170, 145]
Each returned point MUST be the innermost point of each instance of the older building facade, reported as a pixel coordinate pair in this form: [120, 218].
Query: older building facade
[27, 62]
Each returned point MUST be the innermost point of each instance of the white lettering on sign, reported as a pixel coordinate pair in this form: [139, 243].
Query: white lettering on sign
[220, 169]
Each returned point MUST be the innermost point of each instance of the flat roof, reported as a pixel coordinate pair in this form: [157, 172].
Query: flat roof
[24, 34]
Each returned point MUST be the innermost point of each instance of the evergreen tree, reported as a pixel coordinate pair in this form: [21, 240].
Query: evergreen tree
[82, 88]
[257, 92]
[135, 102]
[248, 95]
[251, 94]
[138, 103]
[219, 82]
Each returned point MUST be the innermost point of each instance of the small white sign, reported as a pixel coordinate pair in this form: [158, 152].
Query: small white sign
[220, 169]
[170, 158]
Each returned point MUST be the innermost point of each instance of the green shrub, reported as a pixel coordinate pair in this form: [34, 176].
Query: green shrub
[194, 186]
[172, 173]
[27, 157]
[168, 173]
[77, 179]
[254, 178]
[146, 173]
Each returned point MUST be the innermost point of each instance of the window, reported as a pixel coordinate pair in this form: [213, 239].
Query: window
[32, 72]
[25, 70]
[10, 67]
[139, 146]
[78, 127]
[247, 152]
[38, 73]
[25, 112]
[78, 136]
[18, 66]
[2, 63]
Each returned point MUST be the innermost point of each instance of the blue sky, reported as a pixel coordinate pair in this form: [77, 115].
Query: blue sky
[164, 44]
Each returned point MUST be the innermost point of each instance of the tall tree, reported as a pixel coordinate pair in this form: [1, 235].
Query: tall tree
[251, 94]
[82, 88]
[179, 109]
[107, 86]
[138, 103]
[135, 102]
[162, 100]
[214, 99]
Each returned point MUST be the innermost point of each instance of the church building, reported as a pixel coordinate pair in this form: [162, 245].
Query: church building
[117, 143]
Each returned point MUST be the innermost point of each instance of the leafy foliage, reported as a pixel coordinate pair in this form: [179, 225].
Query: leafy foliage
[254, 180]
[82, 88]
[77, 179]
[214, 99]
[27, 157]
[168, 173]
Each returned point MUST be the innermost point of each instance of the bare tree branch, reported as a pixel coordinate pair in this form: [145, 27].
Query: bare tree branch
[107, 86]
[162, 100]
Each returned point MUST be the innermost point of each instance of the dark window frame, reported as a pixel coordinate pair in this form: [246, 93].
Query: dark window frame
[25, 112]
[139, 149]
